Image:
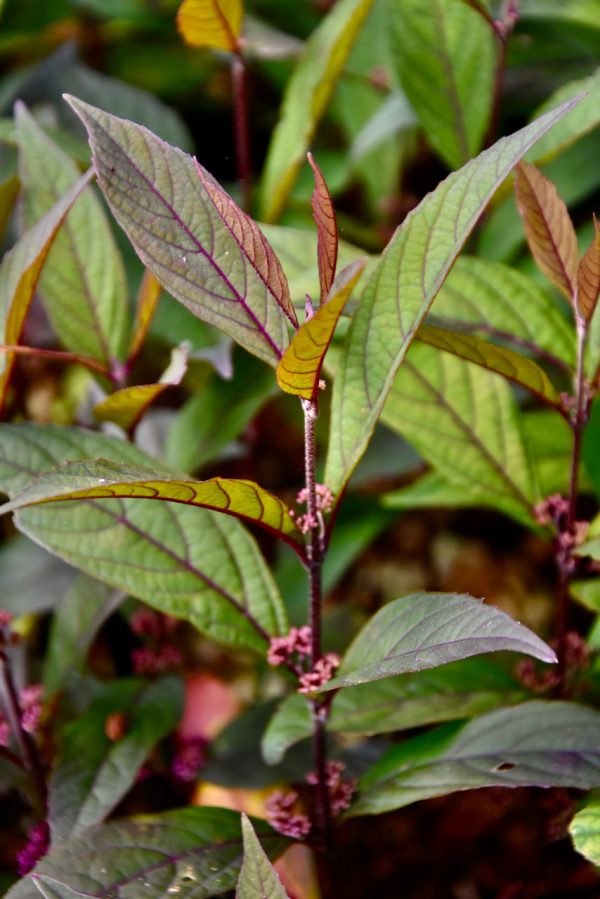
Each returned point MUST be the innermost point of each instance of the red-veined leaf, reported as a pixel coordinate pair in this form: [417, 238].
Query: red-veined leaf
[327, 230]
[211, 23]
[588, 277]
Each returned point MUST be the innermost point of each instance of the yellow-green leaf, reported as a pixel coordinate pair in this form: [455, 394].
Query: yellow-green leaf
[147, 302]
[103, 479]
[211, 23]
[306, 98]
[585, 830]
[548, 228]
[9, 191]
[20, 272]
[588, 276]
[299, 369]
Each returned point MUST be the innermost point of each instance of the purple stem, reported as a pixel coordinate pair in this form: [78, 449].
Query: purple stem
[240, 123]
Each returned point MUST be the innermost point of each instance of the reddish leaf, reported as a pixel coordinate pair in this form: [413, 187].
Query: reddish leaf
[548, 228]
[327, 230]
[588, 277]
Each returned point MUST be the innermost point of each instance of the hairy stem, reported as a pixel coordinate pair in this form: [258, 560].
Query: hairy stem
[314, 564]
[23, 740]
[240, 123]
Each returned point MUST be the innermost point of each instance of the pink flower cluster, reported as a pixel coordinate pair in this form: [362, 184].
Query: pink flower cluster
[282, 818]
[324, 502]
[296, 642]
[189, 756]
[321, 673]
[146, 660]
[551, 509]
[160, 654]
[30, 702]
[36, 848]
[340, 791]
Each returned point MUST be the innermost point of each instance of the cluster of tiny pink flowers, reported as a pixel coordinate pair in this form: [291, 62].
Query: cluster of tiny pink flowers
[282, 818]
[189, 756]
[30, 703]
[5, 618]
[533, 679]
[4, 731]
[551, 509]
[36, 848]
[297, 641]
[146, 623]
[340, 791]
[321, 673]
[324, 501]
[146, 660]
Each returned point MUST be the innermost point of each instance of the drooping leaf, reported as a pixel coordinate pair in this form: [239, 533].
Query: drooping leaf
[258, 877]
[306, 97]
[20, 271]
[32, 579]
[425, 630]
[198, 850]
[588, 277]
[511, 365]
[501, 302]
[457, 690]
[147, 301]
[446, 58]
[585, 830]
[211, 23]
[83, 283]
[75, 623]
[327, 230]
[464, 420]
[299, 369]
[413, 268]
[94, 771]
[103, 479]
[201, 247]
[187, 562]
[544, 744]
[548, 227]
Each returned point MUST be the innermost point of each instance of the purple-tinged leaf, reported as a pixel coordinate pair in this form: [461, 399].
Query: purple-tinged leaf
[203, 249]
[425, 630]
[101, 479]
[588, 277]
[258, 877]
[327, 230]
[537, 744]
[196, 852]
[402, 288]
[20, 272]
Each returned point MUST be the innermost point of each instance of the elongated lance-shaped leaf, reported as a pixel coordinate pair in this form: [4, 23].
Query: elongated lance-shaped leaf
[446, 58]
[585, 830]
[464, 420]
[127, 406]
[327, 230]
[548, 228]
[201, 247]
[306, 97]
[425, 630]
[20, 272]
[511, 365]
[193, 851]
[299, 370]
[147, 301]
[402, 288]
[543, 744]
[258, 877]
[103, 479]
[588, 277]
[194, 564]
[9, 191]
[94, 771]
[83, 283]
[211, 23]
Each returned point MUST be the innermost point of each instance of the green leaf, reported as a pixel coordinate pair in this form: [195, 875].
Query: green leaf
[103, 479]
[458, 690]
[446, 60]
[32, 579]
[511, 365]
[75, 623]
[94, 772]
[299, 369]
[394, 116]
[585, 830]
[465, 422]
[413, 267]
[188, 562]
[505, 304]
[83, 283]
[201, 247]
[433, 490]
[544, 744]
[20, 271]
[425, 630]
[306, 98]
[258, 877]
[587, 592]
[147, 301]
[198, 850]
